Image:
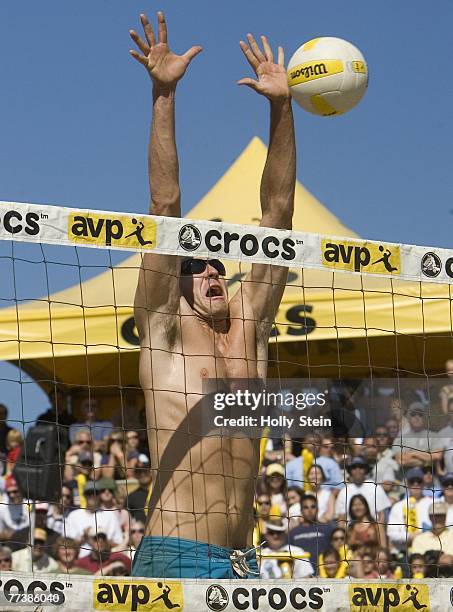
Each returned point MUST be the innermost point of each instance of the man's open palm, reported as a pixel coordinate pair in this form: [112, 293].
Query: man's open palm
[272, 78]
[165, 67]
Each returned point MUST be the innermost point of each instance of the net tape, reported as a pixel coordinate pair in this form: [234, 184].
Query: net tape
[60, 225]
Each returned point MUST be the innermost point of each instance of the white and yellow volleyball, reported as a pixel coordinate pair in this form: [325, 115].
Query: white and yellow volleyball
[327, 76]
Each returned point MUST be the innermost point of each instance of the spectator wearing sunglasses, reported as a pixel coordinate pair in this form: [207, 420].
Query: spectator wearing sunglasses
[33, 558]
[279, 559]
[15, 514]
[136, 533]
[311, 535]
[410, 516]
[79, 522]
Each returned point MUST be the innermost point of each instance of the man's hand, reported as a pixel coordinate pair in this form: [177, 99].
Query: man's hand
[164, 67]
[272, 78]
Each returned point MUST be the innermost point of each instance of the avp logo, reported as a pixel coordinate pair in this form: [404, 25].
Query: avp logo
[13, 587]
[137, 595]
[278, 598]
[216, 598]
[112, 230]
[14, 222]
[389, 597]
[361, 257]
[189, 237]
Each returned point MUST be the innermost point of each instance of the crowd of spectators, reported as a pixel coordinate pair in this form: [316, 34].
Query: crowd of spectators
[373, 506]
[97, 520]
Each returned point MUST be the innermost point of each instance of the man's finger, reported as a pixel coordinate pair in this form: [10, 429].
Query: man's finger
[254, 47]
[254, 63]
[161, 28]
[140, 58]
[281, 57]
[148, 29]
[267, 49]
[139, 42]
[192, 52]
[249, 82]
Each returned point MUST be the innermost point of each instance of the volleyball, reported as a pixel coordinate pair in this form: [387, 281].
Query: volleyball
[327, 76]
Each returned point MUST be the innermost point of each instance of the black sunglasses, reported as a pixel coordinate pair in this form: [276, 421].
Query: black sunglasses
[198, 266]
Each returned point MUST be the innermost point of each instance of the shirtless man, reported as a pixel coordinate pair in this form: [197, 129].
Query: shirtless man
[201, 510]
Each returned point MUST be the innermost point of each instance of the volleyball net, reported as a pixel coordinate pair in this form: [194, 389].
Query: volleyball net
[354, 465]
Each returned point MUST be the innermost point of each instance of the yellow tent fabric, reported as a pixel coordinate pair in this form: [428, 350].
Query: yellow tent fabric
[336, 323]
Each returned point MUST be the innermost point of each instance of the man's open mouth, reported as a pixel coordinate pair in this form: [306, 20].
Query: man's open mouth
[214, 291]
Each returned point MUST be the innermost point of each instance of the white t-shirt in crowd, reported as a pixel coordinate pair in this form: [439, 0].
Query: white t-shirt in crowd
[397, 522]
[81, 520]
[14, 516]
[374, 494]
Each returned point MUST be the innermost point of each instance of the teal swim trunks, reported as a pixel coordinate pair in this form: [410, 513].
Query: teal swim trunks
[178, 558]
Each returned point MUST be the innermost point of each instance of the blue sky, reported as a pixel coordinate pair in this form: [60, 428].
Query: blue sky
[75, 108]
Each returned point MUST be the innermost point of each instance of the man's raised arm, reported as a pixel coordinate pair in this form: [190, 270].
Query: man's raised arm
[265, 284]
[158, 285]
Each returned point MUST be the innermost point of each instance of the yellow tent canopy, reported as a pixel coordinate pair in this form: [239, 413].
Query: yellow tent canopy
[338, 324]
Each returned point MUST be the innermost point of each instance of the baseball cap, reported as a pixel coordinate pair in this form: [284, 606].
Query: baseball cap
[275, 468]
[10, 483]
[414, 473]
[358, 462]
[143, 459]
[416, 408]
[90, 487]
[274, 526]
[40, 534]
[105, 483]
[447, 479]
[438, 508]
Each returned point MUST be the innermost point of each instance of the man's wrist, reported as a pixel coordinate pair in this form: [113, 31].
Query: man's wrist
[163, 91]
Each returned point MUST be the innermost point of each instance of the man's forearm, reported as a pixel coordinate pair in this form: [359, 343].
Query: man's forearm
[163, 157]
[279, 176]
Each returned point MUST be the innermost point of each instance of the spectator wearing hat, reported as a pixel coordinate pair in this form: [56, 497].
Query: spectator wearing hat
[275, 486]
[15, 514]
[281, 560]
[410, 516]
[34, 558]
[310, 534]
[417, 445]
[137, 501]
[374, 494]
[22, 537]
[108, 501]
[447, 497]
[439, 537]
[101, 560]
[81, 520]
